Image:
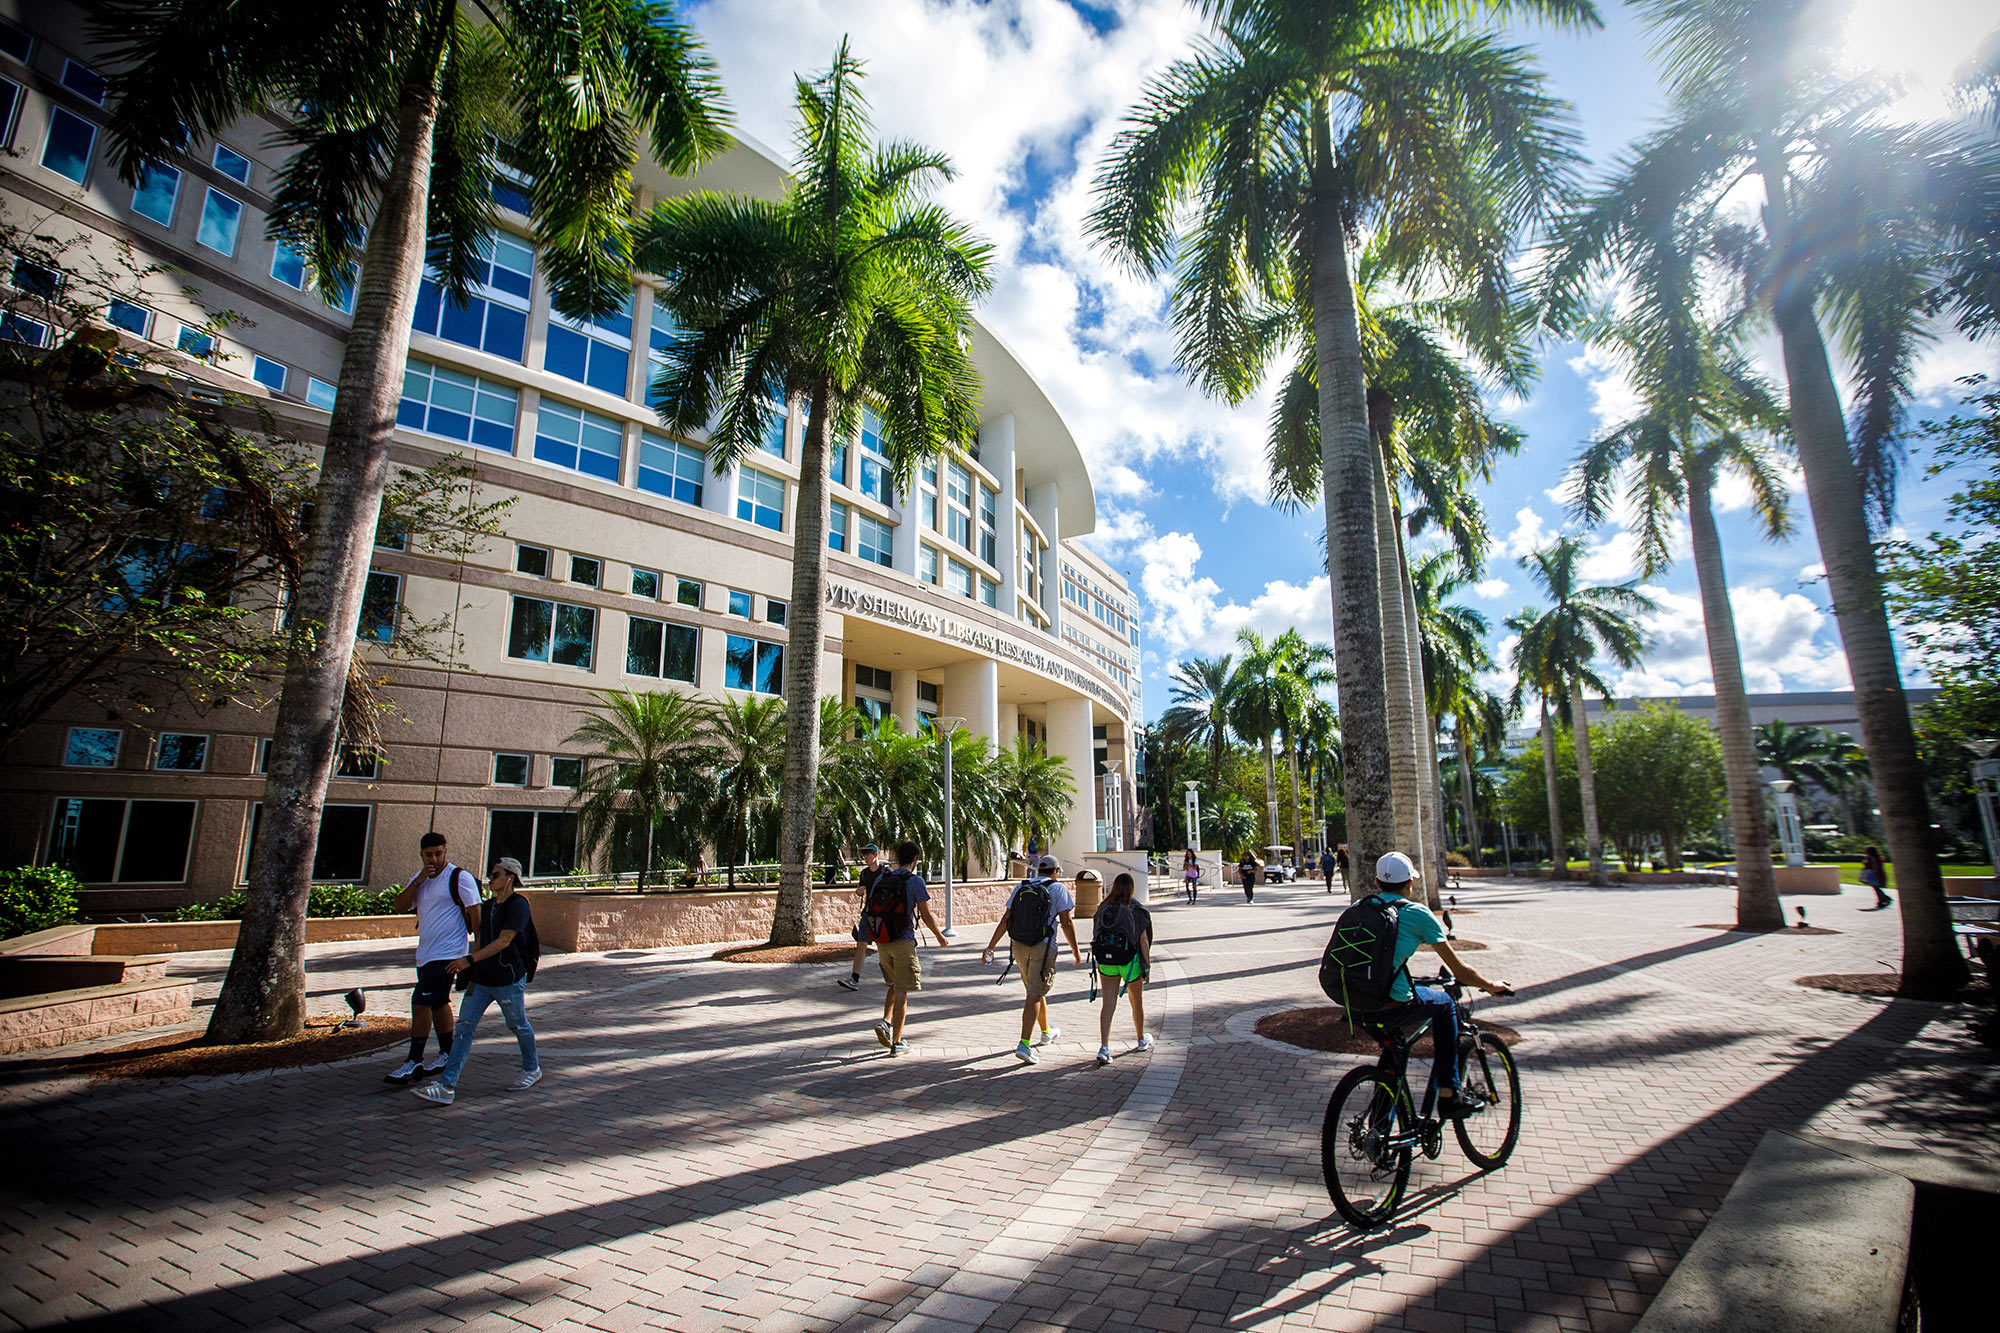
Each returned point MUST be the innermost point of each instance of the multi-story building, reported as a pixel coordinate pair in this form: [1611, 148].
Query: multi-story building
[626, 562]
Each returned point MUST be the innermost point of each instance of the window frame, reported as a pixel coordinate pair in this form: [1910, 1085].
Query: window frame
[257, 363]
[877, 547]
[679, 486]
[556, 761]
[548, 559]
[587, 446]
[639, 572]
[145, 329]
[751, 507]
[215, 160]
[173, 196]
[493, 778]
[160, 747]
[582, 564]
[124, 833]
[536, 816]
[762, 651]
[253, 818]
[117, 747]
[369, 595]
[637, 626]
[484, 392]
[48, 138]
[235, 223]
[555, 612]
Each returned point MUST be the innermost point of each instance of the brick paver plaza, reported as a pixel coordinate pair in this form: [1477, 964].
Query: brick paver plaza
[725, 1146]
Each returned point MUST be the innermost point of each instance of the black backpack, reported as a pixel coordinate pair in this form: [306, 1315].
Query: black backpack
[1031, 916]
[885, 915]
[1114, 938]
[1359, 964]
[528, 944]
[525, 948]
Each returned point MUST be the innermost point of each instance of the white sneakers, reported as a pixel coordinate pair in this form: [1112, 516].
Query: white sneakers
[437, 1062]
[402, 1073]
[526, 1079]
[1146, 1042]
[1104, 1055]
[1026, 1054]
[440, 1094]
[1048, 1035]
[882, 1033]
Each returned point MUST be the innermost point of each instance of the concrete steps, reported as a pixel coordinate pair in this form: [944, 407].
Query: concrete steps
[40, 974]
[39, 1022]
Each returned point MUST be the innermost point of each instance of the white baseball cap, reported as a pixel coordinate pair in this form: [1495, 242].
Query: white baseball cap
[1395, 868]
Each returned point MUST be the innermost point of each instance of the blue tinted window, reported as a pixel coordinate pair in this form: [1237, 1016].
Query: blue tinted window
[457, 406]
[289, 266]
[232, 164]
[751, 664]
[221, 220]
[670, 468]
[196, 343]
[739, 604]
[507, 194]
[269, 373]
[378, 607]
[321, 395]
[92, 747]
[131, 318]
[760, 499]
[84, 81]
[67, 151]
[153, 197]
[573, 438]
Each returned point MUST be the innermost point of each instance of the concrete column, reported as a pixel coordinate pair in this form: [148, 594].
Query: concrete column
[524, 423]
[996, 455]
[1042, 507]
[903, 558]
[903, 700]
[718, 493]
[972, 691]
[1069, 739]
[1010, 724]
[639, 373]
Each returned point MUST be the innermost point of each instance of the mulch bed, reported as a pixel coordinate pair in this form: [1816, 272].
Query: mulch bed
[1324, 1028]
[1460, 946]
[1884, 984]
[1785, 930]
[786, 953]
[323, 1041]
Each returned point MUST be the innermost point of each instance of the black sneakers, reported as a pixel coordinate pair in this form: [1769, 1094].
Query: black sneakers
[1467, 1103]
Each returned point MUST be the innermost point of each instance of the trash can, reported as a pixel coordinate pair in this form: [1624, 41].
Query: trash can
[1089, 893]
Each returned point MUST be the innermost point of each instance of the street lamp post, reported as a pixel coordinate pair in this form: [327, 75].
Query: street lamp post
[945, 726]
[1114, 807]
[1986, 784]
[1194, 816]
[1791, 836]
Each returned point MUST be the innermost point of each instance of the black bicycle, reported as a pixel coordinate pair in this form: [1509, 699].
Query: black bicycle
[1374, 1128]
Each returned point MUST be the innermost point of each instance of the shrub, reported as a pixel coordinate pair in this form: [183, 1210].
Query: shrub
[1457, 860]
[35, 898]
[323, 900]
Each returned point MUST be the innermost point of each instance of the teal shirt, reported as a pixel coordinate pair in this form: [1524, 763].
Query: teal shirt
[1415, 926]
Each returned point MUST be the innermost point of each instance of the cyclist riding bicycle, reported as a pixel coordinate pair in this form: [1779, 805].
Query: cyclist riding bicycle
[1416, 926]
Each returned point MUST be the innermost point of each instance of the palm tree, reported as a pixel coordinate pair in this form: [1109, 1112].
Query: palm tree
[1319, 749]
[1034, 789]
[1303, 123]
[849, 790]
[397, 116]
[852, 289]
[1203, 693]
[1535, 673]
[747, 738]
[1705, 412]
[1452, 651]
[1305, 669]
[1567, 638]
[655, 751]
[1875, 227]
[1261, 696]
[1479, 723]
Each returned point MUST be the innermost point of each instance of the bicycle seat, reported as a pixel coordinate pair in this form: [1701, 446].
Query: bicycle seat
[1393, 1033]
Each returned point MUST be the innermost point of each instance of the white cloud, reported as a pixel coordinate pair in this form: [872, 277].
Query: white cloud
[1613, 399]
[1492, 590]
[1186, 612]
[1778, 640]
[1530, 531]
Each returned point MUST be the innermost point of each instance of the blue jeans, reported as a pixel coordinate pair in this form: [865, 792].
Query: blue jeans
[1430, 1002]
[513, 1007]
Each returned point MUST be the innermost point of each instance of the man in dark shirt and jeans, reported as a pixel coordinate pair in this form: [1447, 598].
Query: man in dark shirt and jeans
[871, 866]
[499, 976]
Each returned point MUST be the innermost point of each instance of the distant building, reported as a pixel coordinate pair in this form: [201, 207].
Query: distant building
[1829, 710]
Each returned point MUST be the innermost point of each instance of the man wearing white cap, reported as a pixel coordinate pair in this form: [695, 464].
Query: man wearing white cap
[1415, 927]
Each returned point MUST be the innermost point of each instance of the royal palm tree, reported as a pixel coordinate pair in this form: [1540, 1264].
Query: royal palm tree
[1034, 789]
[1261, 695]
[1202, 691]
[1581, 623]
[854, 289]
[1479, 723]
[746, 736]
[849, 790]
[1452, 652]
[654, 752]
[1874, 228]
[1306, 669]
[396, 116]
[1705, 413]
[1249, 167]
[1535, 673]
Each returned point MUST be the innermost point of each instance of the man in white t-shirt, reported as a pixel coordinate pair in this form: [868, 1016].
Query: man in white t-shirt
[1047, 905]
[446, 899]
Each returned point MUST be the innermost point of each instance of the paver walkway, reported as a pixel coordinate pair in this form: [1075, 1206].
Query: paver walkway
[725, 1146]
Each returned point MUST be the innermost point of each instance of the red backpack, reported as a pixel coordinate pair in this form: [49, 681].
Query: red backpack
[885, 915]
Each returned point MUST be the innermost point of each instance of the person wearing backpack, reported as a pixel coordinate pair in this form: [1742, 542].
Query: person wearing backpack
[446, 900]
[1036, 907]
[501, 966]
[871, 870]
[1366, 967]
[1121, 949]
[896, 901]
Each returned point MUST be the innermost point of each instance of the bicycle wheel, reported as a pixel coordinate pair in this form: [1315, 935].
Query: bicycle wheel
[1489, 1136]
[1363, 1147]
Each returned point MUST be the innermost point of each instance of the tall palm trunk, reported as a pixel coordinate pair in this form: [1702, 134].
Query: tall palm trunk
[1430, 809]
[1757, 905]
[1932, 967]
[792, 922]
[1271, 788]
[263, 996]
[1347, 461]
[1586, 783]
[1398, 700]
[1558, 844]
[1465, 796]
[1298, 820]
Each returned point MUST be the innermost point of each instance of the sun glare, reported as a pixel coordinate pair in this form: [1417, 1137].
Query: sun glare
[1919, 45]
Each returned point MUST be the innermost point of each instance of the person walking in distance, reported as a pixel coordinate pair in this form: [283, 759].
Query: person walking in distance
[1327, 867]
[502, 963]
[1247, 870]
[871, 869]
[1876, 876]
[1191, 873]
[446, 900]
[1121, 949]
[896, 901]
[1340, 865]
[1035, 909]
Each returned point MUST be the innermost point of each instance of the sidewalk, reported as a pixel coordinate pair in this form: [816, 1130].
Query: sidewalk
[725, 1146]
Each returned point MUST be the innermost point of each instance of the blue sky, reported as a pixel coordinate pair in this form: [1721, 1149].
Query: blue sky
[1025, 94]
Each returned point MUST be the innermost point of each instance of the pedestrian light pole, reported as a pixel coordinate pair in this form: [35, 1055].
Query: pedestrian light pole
[944, 727]
[1986, 782]
[1114, 807]
[1791, 837]
[1193, 815]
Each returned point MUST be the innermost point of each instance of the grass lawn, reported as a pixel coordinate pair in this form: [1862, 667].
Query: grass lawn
[1850, 871]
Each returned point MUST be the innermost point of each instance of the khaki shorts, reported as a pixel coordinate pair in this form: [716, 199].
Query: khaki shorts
[1037, 965]
[899, 964]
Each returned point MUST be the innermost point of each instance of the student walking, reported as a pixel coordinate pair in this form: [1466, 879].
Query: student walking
[1035, 909]
[1876, 876]
[1121, 949]
[1191, 873]
[871, 870]
[446, 900]
[896, 901]
[1327, 867]
[502, 965]
[1247, 870]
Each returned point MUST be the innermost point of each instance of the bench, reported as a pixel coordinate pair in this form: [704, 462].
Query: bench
[1973, 920]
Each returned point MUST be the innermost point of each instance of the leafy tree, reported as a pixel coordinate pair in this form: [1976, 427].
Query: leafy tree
[1231, 825]
[1203, 691]
[1305, 669]
[1565, 640]
[853, 288]
[36, 898]
[643, 797]
[746, 738]
[1261, 693]
[1248, 168]
[1667, 770]
[1866, 227]
[396, 116]
[1034, 789]
[1539, 793]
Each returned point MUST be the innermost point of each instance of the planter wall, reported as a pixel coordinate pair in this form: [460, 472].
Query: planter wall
[577, 919]
[195, 936]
